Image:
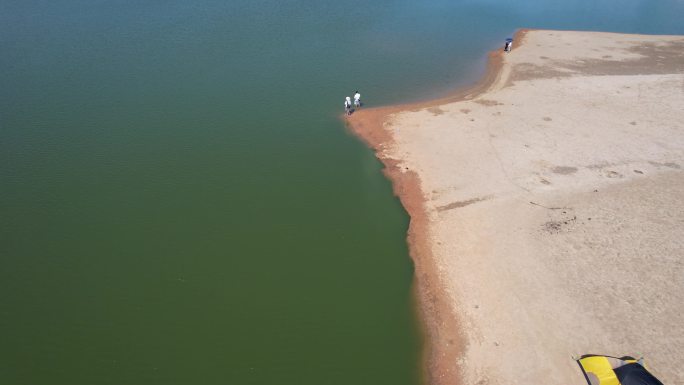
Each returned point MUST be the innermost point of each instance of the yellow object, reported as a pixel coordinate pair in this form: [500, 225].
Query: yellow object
[600, 367]
[607, 370]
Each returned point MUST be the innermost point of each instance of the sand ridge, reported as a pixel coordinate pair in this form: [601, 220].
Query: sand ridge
[546, 212]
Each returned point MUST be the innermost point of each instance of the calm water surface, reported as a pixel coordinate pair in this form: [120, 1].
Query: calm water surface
[179, 203]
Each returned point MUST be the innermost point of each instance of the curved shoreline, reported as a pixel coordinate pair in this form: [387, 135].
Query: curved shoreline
[586, 123]
[435, 314]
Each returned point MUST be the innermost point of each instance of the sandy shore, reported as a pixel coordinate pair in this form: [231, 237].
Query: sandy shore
[547, 208]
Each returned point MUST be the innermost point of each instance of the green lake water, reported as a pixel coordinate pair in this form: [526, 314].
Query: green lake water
[180, 204]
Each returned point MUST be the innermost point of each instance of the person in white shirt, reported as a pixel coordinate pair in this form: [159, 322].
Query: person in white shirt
[347, 105]
[357, 99]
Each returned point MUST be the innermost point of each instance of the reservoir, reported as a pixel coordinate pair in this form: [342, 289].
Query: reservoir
[180, 201]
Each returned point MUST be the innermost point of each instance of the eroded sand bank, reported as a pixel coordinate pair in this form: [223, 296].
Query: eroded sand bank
[547, 208]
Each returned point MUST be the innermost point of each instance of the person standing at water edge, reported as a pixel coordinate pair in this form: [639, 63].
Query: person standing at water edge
[357, 99]
[347, 105]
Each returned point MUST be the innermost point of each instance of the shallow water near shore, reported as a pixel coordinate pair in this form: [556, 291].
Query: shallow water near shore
[181, 204]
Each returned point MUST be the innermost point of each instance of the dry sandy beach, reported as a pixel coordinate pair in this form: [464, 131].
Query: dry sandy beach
[547, 208]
